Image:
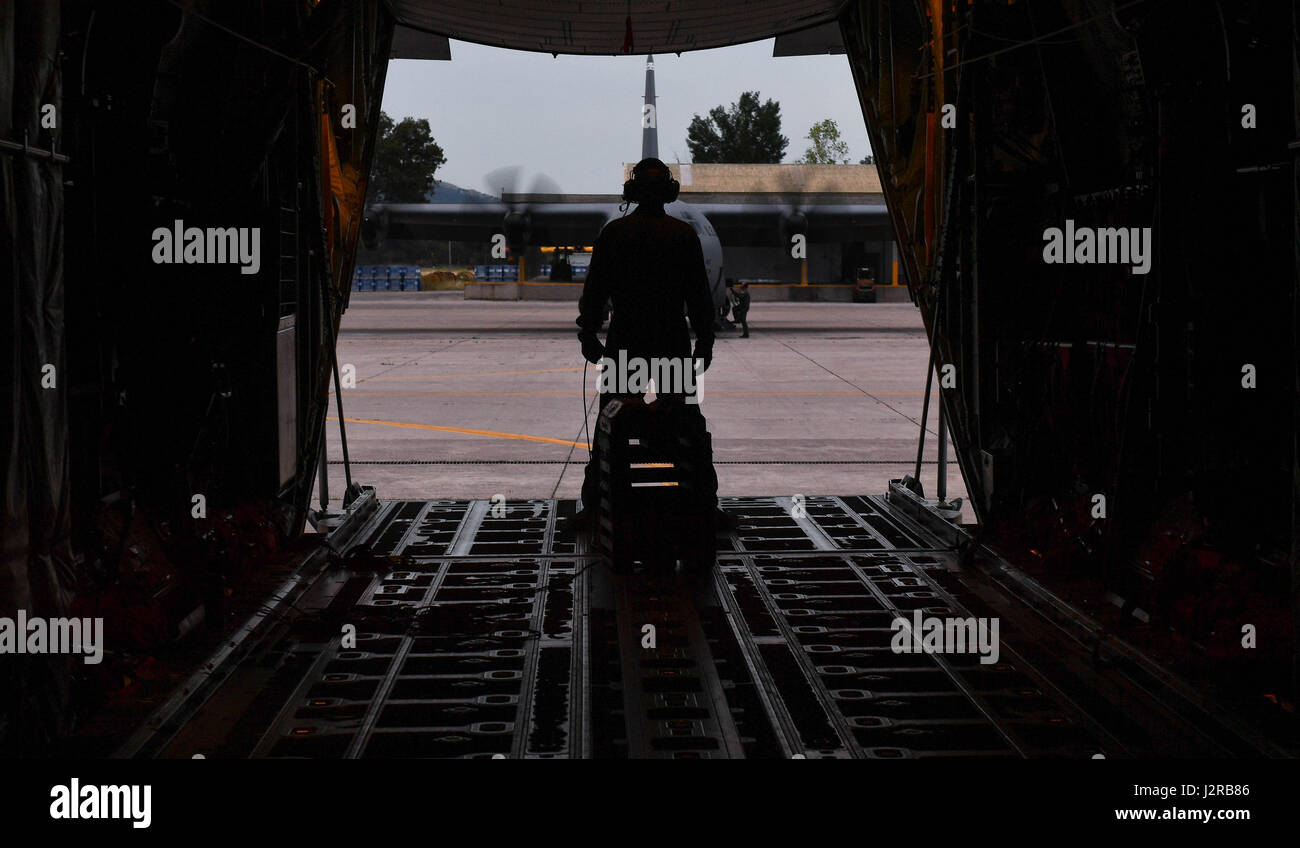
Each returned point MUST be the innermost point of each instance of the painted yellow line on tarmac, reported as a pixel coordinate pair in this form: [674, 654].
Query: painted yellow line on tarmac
[456, 376]
[493, 434]
[360, 394]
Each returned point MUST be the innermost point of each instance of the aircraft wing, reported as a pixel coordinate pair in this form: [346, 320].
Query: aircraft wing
[759, 222]
[550, 223]
[746, 223]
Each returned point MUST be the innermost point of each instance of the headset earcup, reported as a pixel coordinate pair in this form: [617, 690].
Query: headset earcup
[633, 192]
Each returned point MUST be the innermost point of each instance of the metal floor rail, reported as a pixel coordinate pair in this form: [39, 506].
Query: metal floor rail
[473, 629]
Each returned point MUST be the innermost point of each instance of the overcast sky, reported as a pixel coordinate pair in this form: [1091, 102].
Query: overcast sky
[577, 119]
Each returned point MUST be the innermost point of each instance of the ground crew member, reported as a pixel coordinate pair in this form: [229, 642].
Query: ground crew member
[651, 267]
[740, 307]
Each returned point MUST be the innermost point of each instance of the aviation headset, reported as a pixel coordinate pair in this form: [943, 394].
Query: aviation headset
[651, 179]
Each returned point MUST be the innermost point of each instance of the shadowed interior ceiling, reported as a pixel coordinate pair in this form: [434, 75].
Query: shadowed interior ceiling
[600, 27]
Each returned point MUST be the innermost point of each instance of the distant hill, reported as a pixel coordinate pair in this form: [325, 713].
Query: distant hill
[445, 192]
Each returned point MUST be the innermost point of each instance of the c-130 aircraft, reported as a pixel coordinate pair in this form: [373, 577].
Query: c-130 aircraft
[525, 219]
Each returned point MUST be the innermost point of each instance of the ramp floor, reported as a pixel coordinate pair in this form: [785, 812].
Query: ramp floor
[474, 629]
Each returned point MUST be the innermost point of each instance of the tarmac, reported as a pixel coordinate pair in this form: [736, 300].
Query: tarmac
[468, 399]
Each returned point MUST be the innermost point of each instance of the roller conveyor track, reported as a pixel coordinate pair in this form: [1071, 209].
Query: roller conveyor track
[493, 632]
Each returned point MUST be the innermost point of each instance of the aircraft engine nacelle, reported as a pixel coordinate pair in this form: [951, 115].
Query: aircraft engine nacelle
[518, 228]
[374, 228]
[793, 224]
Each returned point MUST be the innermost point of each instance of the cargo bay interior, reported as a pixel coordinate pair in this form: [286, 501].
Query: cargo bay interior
[1162, 626]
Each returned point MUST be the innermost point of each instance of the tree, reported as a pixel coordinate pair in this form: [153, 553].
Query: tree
[406, 158]
[869, 159]
[827, 146]
[748, 131]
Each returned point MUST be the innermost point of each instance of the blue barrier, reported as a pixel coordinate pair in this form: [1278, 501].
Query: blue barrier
[386, 278]
[545, 270]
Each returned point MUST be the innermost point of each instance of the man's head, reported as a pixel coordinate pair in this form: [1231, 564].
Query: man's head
[652, 183]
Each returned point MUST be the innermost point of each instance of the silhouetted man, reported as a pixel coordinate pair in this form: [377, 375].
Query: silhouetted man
[651, 267]
[740, 307]
[724, 311]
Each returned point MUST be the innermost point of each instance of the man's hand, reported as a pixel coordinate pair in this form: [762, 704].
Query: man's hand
[704, 353]
[592, 350]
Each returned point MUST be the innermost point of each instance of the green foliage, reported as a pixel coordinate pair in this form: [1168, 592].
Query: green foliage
[748, 132]
[827, 146]
[406, 158]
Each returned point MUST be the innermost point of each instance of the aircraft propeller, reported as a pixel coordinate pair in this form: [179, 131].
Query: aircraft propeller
[518, 222]
[797, 203]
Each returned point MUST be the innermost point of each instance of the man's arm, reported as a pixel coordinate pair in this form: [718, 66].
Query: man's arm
[699, 301]
[591, 307]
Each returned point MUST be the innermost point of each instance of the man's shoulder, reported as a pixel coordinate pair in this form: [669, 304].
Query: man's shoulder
[679, 226]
